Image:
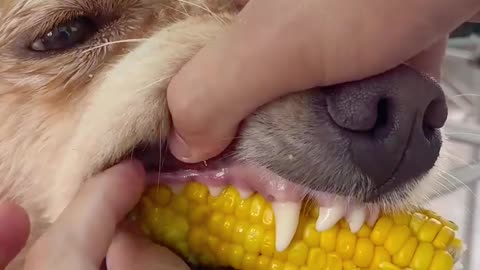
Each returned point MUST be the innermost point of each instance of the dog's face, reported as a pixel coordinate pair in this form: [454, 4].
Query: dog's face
[82, 86]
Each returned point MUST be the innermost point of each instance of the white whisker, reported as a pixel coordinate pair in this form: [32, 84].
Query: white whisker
[463, 95]
[152, 83]
[464, 161]
[461, 133]
[458, 181]
[113, 42]
[205, 8]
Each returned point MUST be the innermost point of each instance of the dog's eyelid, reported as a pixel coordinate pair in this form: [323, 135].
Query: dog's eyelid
[38, 45]
[66, 35]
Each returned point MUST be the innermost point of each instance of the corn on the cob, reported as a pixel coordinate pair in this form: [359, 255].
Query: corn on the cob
[227, 231]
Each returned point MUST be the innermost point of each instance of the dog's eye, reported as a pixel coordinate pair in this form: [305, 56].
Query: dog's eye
[66, 35]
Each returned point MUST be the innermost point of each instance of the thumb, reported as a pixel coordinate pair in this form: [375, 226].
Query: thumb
[14, 231]
[291, 50]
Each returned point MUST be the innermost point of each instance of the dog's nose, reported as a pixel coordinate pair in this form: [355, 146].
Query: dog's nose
[392, 123]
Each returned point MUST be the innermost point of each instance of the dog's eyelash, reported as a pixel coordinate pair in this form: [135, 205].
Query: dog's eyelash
[66, 35]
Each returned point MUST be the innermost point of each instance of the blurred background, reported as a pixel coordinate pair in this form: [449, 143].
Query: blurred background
[461, 83]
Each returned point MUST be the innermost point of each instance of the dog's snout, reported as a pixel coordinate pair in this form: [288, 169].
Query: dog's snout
[392, 122]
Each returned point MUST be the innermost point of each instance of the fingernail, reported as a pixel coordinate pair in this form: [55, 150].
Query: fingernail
[180, 148]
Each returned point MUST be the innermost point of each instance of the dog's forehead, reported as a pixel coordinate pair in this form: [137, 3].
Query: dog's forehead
[43, 8]
[11, 7]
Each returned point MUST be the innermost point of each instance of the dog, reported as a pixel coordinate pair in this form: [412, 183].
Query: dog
[83, 86]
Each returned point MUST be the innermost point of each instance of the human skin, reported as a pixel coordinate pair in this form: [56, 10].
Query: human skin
[299, 45]
[92, 224]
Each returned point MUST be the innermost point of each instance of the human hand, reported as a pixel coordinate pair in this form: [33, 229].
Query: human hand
[14, 231]
[91, 229]
[299, 45]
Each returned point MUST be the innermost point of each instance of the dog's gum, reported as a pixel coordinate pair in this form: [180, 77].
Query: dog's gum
[286, 197]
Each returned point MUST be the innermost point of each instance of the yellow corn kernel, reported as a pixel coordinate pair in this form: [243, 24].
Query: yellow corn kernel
[389, 266]
[253, 238]
[236, 253]
[417, 221]
[276, 265]
[456, 248]
[196, 192]
[405, 254]
[444, 237]
[442, 261]
[268, 245]
[298, 253]
[227, 231]
[256, 210]
[334, 262]
[402, 219]
[249, 262]
[328, 238]
[364, 231]
[363, 253]
[311, 235]
[291, 266]
[450, 224]
[423, 256]
[429, 230]
[397, 237]
[160, 195]
[346, 242]
[263, 263]
[316, 258]
[380, 257]
[349, 265]
[381, 230]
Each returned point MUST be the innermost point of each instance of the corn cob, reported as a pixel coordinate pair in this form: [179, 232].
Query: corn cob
[228, 231]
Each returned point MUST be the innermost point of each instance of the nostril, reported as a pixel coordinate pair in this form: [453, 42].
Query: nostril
[382, 113]
[357, 111]
[435, 115]
[384, 119]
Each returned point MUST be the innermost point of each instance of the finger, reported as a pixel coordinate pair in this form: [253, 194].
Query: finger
[82, 234]
[300, 44]
[129, 251]
[430, 60]
[476, 18]
[14, 231]
[241, 3]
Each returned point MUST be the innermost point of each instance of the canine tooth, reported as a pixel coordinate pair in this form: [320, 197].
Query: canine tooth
[245, 193]
[215, 190]
[287, 215]
[329, 216]
[356, 218]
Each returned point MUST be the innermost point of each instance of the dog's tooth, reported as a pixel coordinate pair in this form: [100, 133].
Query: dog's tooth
[329, 216]
[245, 193]
[177, 188]
[356, 218]
[215, 190]
[287, 215]
[373, 216]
